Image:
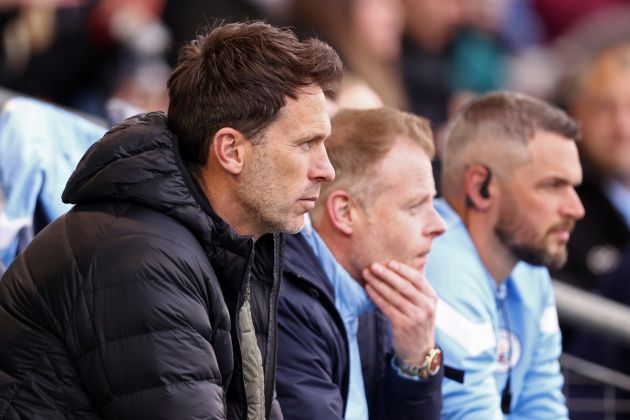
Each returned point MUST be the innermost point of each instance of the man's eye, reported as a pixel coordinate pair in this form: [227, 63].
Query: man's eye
[414, 209]
[306, 145]
[554, 185]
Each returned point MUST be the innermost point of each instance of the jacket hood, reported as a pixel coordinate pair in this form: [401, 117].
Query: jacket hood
[138, 161]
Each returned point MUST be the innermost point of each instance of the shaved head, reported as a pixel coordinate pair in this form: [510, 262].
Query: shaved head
[494, 130]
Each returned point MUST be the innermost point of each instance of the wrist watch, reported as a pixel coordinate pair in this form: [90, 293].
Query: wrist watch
[430, 367]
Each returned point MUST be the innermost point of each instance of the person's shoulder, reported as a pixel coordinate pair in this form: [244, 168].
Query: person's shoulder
[302, 301]
[455, 244]
[303, 274]
[305, 305]
[125, 222]
[454, 267]
[110, 240]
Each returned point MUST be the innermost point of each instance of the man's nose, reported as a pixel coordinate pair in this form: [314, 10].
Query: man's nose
[321, 169]
[436, 225]
[572, 206]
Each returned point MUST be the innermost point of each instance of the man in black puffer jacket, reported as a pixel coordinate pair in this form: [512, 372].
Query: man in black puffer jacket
[155, 296]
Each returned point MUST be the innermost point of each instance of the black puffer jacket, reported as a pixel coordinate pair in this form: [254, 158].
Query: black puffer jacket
[125, 308]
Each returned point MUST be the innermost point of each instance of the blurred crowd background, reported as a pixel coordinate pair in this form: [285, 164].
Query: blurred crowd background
[110, 59]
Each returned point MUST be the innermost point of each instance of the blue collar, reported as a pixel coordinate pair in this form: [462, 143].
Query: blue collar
[350, 297]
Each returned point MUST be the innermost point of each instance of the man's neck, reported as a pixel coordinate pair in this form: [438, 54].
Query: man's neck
[339, 247]
[497, 259]
[225, 204]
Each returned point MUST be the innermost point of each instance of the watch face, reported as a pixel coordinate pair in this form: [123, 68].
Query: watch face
[435, 363]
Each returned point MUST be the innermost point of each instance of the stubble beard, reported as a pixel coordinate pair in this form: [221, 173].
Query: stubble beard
[263, 201]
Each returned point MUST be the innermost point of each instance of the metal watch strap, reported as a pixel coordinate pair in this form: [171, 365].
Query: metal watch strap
[427, 369]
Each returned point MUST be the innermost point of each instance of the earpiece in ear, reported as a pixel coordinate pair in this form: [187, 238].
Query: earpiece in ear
[483, 190]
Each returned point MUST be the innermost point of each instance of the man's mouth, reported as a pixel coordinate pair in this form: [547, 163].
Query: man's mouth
[562, 234]
[563, 231]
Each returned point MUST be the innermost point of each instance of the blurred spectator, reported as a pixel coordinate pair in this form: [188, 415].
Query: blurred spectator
[478, 52]
[559, 16]
[29, 29]
[600, 100]
[494, 32]
[138, 40]
[187, 18]
[367, 34]
[520, 24]
[353, 93]
[76, 52]
[429, 29]
[543, 69]
[599, 251]
[372, 46]
[142, 88]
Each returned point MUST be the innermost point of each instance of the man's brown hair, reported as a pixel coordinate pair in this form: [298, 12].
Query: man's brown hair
[360, 139]
[238, 75]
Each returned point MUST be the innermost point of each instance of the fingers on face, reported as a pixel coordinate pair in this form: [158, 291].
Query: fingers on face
[390, 310]
[412, 275]
[400, 282]
[391, 289]
[407, 317]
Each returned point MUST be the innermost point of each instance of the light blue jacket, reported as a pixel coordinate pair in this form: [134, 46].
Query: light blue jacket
[40, 146]
[473, 315]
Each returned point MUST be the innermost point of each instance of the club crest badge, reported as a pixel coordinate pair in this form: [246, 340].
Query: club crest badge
[508, 351]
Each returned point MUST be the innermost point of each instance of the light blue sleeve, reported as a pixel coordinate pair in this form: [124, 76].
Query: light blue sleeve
[40, 146]
[541, 396]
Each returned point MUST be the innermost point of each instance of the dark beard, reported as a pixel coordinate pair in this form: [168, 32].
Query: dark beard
[510, 226]
[529, 253]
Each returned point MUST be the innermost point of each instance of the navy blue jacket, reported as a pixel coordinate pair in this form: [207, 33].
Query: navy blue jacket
[313, 365]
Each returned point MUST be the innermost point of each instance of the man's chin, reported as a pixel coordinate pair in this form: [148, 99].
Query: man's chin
[558, 258]
[291, 224]
[296, 229]
[296, 225]
[422, 269]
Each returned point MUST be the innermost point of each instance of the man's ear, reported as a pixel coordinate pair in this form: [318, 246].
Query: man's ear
[342, 212]
[229, 147]
[477, 182]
